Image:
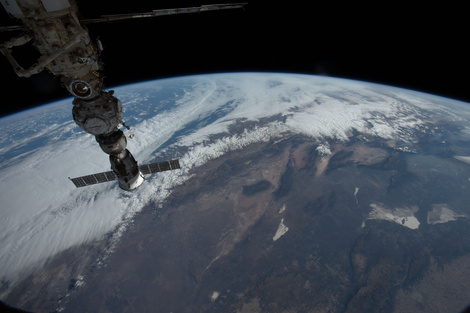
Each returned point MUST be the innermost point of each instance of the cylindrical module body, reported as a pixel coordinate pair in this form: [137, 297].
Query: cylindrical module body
[99, 116]
[127, 170]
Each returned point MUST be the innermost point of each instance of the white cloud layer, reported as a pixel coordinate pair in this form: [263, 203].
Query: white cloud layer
[42, 213]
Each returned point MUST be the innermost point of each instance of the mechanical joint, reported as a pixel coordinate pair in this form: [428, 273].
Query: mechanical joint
[112, 144]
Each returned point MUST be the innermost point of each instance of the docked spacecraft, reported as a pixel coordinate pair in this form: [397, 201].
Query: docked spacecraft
[59, 33]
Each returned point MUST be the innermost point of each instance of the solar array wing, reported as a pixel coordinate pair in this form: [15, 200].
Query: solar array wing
[93, 179]
[159, 167]
[175, 164]
[146, 169]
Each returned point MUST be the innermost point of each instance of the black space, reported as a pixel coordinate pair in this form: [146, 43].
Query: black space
[421, 48]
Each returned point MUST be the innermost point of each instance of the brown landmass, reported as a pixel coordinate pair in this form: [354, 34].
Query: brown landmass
[210, 247]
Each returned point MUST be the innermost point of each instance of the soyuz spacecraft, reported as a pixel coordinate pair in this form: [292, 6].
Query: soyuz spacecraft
[59, 33]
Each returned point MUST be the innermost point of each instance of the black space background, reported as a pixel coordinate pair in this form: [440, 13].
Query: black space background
[421, 48]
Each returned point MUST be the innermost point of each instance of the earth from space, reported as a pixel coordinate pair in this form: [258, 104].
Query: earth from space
[296, 193]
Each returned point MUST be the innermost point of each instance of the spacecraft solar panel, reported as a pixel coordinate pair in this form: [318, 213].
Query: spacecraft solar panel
[159, 167]
[154, 168]
[164, 166]
[103, 177]
[146, 169]
[175, 164]
[97, 178]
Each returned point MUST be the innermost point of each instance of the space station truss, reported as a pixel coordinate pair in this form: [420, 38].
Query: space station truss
[164, 12]
[145, 169]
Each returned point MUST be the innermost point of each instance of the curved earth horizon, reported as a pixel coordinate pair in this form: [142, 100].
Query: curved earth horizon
[296, 193]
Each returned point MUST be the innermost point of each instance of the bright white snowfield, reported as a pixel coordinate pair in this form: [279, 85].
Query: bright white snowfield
[42, 213]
